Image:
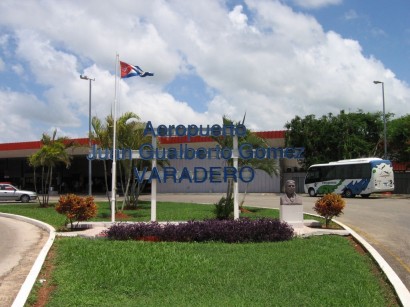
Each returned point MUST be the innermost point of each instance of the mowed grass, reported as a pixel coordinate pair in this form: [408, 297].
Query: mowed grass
[316, 271]
[32, 210]
[166, 211]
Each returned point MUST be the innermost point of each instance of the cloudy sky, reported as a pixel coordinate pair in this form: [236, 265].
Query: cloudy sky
[271, 59]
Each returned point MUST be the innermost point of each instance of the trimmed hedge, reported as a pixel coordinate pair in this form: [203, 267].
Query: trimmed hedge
[229, 231]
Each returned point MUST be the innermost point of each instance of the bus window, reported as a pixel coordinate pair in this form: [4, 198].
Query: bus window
[361, 171]
[313, 175]
[343, 172]
[331, 173]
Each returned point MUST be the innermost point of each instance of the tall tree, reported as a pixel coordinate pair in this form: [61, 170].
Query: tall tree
[52, 152]
[331, 138]
[398, 136]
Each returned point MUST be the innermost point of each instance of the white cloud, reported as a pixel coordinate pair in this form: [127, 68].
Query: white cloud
[4, 39]
[238, 19]
[263, 59]
[351, 14]
[377, 32]
[18, 70]
[314, 4]
[20, 111]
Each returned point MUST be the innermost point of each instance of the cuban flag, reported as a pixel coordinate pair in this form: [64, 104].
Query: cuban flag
[128, 70]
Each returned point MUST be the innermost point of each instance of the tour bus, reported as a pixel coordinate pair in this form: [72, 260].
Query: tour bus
[350, 177]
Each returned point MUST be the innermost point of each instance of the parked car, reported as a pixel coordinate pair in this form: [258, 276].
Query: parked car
[9, 192]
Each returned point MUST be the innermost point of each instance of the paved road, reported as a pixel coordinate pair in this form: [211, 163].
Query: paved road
[384, 222]
[20, 245]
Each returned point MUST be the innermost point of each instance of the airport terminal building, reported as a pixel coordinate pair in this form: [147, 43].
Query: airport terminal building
[14, 168]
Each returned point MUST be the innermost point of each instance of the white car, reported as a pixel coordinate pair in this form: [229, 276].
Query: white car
[9, 192]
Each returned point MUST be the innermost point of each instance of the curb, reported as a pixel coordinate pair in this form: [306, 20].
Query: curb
[401, 290]
[28, 284]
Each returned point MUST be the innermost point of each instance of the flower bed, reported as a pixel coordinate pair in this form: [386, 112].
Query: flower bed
[230, 231]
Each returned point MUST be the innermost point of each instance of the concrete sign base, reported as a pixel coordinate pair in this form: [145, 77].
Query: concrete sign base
[292, 214]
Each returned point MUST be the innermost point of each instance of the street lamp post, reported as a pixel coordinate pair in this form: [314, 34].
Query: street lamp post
[89, 135]
[384, 119]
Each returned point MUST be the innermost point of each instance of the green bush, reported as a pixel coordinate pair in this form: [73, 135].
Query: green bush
[76, 208]
[329, 206]
[224, 209]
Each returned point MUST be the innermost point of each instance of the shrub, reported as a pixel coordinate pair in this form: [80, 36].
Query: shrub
[224, 209]
[230, 231]
[329, 206]
[76, 208]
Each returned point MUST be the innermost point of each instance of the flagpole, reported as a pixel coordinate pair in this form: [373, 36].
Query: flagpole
[114, 147]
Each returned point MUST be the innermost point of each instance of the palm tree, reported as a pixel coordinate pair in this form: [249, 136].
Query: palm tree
[269, 166]
[52, 152]
[102, 137]
[129, 135]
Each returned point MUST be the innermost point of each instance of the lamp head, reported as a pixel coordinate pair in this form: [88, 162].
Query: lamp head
[377, 82]
[86, 78]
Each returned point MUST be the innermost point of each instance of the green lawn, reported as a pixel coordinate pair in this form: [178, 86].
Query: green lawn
[319, 271]
[316, 271]
[166, 211]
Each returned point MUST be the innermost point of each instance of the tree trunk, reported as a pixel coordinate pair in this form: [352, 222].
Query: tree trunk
[43, 186]
[50, 181]
[106, 180]
[244, 195]
[127, 200]
[229, 191]
[35, 185]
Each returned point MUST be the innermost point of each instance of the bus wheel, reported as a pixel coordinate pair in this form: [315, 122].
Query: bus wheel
[348, 194]
[312, 192]
[365, 195]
